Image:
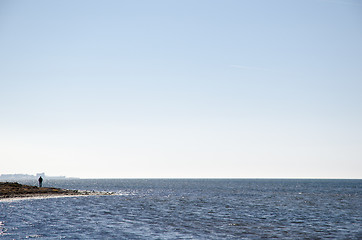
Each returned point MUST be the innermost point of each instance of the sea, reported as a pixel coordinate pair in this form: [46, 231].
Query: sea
[189, 209]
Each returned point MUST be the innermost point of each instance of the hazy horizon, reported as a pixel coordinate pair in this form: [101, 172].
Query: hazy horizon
[180, 178]
[181, 89]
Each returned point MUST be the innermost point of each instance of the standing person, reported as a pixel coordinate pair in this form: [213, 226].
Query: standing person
[40, 181]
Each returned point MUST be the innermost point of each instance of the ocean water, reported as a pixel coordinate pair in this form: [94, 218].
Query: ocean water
[190, 209]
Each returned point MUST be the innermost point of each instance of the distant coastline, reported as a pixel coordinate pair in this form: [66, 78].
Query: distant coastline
[19, 177]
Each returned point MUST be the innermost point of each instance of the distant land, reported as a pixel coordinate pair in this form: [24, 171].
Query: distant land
[18, 176]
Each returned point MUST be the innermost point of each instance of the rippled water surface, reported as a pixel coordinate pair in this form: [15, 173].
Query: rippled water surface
[190, 209]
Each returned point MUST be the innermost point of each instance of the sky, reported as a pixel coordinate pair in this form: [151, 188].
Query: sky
[181, 89]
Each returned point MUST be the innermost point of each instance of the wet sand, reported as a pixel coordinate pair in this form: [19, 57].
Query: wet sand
[15, 190]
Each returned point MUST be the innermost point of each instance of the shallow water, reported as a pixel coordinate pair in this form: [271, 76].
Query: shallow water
[190, 209]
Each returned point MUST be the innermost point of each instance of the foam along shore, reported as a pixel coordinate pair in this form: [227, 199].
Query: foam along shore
[16, 190]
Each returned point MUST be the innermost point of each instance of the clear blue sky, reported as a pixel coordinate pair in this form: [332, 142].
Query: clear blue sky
[139, 89]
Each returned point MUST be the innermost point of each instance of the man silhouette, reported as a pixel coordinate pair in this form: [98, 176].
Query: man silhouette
[40, 181]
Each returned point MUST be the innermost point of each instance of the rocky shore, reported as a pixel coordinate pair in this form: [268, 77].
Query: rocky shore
[16, 190]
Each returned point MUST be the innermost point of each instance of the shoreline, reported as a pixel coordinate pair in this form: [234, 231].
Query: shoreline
[14, 190]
